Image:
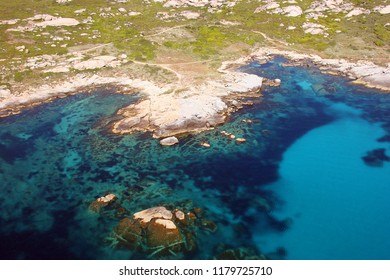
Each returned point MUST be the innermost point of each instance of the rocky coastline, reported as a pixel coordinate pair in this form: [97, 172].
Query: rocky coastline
[360, 72]
[170, 111]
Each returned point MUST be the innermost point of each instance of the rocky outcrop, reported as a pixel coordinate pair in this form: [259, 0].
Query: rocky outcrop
[4, 92]
[102, 202]
[44, 20]
[58, 22]
[160, 232]
[274, 8]
[357, 12]
[196, 109]
[384, 10]
[362, 72]
[292, 11]
[36, 95]
[314, 28]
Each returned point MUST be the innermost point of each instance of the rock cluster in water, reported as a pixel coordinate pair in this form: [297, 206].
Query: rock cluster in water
[160, 232]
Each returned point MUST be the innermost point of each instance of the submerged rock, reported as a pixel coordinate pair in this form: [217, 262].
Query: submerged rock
[209, 225]
[180, 215]
[129, 233]
[385, 138]
[107, 199]
[376, 158]
[272, 83]
[241, 253]
[102, 202]
[169, 141]
[240, 140]
[205, 144]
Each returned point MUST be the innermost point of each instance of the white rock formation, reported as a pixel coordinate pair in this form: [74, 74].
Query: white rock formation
[9, 22]
[313, 28]
[168, 224]
[180, 215]
[169, 141]
[384, 10]
[145, 216]
[292, 11]
[357, 12]
[190, 14]
[4, 92]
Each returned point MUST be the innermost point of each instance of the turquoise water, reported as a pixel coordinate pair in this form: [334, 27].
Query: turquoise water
[299, 188]
[338, 213]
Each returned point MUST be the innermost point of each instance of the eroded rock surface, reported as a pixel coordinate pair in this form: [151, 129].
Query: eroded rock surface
[199, 108]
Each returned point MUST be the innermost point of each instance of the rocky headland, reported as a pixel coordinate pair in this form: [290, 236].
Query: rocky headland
[179, 92]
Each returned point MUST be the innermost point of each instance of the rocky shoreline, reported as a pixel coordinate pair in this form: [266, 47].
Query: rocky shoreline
[168, 111]
[360, 72]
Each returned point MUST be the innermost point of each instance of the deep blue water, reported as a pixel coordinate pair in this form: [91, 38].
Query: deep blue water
[297, 189]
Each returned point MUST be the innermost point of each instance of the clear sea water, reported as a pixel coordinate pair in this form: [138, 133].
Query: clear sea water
[297, 189]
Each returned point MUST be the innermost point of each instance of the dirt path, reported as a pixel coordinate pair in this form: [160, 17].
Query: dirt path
[168, 67]
[163, 66]
[273, 41]
[166, 30]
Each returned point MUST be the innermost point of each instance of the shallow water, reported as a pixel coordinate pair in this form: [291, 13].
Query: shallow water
[297, 189]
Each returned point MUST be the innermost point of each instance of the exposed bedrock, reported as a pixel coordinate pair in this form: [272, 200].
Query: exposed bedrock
[195, 109]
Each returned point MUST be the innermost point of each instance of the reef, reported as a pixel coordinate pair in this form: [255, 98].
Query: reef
[376, 158]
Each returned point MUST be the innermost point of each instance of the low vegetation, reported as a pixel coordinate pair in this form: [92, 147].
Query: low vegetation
[210, 35]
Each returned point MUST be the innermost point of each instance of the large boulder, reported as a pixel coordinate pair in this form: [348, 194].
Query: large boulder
[293, 11]
[169, 141]
[165, 234]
